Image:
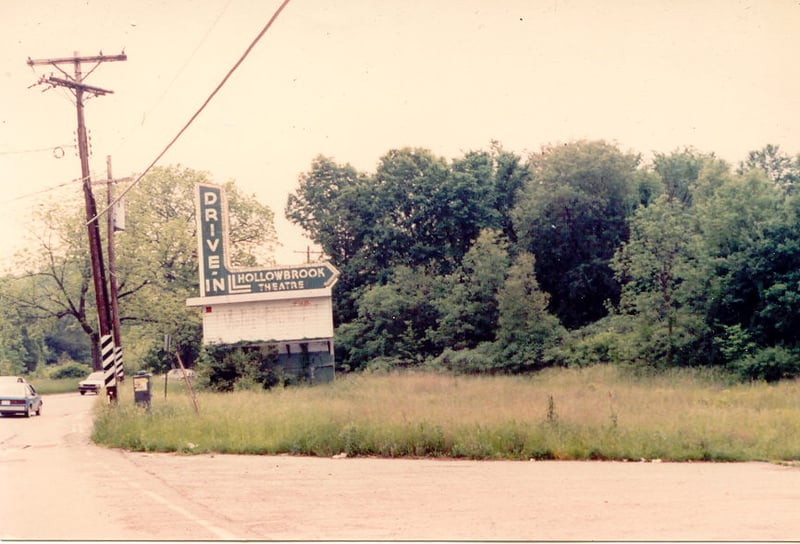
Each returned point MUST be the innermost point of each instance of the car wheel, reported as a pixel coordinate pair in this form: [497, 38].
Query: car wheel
[83, 393]
[39, 410]
[28, 412]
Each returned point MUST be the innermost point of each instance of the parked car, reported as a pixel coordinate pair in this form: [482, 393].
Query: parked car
[92, 383]
[19, 398]
[177, 374]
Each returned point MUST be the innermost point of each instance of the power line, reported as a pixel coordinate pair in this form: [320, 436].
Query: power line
[178, 72]
[47, 189]
[62, 185]
[197, 113]
[54, 149]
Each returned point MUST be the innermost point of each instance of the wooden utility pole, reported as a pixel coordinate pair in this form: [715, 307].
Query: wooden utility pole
[75, 82]
[112, 267]
[308, 253]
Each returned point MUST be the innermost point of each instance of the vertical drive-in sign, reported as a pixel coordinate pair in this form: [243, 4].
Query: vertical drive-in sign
[218, 277]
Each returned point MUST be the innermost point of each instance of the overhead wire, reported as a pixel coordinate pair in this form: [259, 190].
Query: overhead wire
[47, 189]
[179, 71]
[196, 114]
[59, 186]
[69, 97]
[52, 148]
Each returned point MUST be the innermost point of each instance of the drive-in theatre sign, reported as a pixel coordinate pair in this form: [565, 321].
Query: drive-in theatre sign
[288, 306]
[217, 277]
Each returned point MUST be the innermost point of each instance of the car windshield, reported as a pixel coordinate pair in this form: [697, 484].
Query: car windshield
[95, 376]
[12, 389]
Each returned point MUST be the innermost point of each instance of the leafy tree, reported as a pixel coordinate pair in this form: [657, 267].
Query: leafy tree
[678, 172]
[327, 206]
[185, 341]
[21, 348]
[411, 188]
[510, 176]
[156, 262]
[482, 190]
[735, 213]
[759, 286]
[336, 206]
[779, 167]
[573, 215]
[686, 269]
[658, 266]
[654, 267]
[393, 321]
[65, 339]
[55, 281]
[415, 210]
[526, 330]
[469, 309]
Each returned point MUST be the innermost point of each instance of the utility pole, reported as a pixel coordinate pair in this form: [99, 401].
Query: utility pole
[75, 83]
[308, 253]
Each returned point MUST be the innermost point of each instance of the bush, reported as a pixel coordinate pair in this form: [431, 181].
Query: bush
[466, 361]
[768, 364]
[240, 367]
[71, 371]
[382, 365]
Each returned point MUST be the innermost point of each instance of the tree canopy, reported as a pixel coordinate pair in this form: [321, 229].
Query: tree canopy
[478, 263]
[485, 263]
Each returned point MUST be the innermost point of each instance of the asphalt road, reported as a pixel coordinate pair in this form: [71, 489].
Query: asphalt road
[56, 485]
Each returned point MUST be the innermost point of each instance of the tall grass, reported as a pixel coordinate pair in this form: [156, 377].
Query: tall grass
[599, 412]
[50, 386]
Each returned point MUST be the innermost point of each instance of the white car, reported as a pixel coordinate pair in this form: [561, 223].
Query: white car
[92, 383]
[177, 374]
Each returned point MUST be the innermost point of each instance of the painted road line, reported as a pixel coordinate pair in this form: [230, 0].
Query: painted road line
[221, 533]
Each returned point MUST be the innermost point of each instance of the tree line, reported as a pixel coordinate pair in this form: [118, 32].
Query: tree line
[581, 253]
[486, 263]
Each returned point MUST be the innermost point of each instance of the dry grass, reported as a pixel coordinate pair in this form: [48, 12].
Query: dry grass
[598, 412]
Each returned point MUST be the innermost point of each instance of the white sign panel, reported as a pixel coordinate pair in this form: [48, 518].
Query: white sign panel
[268, 320]
[260, 304]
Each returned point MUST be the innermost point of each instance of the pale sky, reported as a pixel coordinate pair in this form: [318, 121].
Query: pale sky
[352, 79]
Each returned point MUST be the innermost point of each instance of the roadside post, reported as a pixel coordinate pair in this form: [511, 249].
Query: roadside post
[142, 389]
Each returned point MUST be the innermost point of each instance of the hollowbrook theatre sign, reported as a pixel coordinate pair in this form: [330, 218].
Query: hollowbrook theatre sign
[284, 307]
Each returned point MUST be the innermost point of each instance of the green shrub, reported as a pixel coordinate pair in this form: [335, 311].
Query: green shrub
[466, 361]
[240, 367]
[385, 364]
[71, 371]
[768, 364]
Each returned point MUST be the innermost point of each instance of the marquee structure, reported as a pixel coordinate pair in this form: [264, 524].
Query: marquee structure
[287, 308]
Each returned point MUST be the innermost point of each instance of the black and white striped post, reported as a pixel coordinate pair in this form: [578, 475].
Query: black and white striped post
[107, 353]
[118, 363]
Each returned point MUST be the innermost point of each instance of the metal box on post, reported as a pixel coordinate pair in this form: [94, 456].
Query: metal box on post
[142, 389]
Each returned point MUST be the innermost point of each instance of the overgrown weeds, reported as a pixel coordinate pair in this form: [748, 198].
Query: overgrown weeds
[599, 412]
